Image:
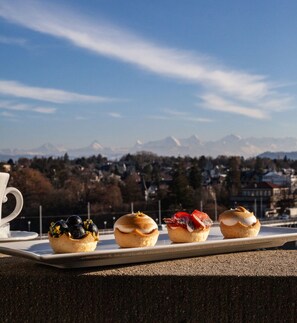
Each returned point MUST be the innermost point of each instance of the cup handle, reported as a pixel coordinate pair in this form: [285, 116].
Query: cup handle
[18, 207]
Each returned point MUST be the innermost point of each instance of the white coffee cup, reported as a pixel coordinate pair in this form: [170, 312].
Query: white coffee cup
[4, 191]
[5, 231]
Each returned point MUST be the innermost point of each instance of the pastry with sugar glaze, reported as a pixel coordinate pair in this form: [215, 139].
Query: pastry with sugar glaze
[239, 223]
[136, 230]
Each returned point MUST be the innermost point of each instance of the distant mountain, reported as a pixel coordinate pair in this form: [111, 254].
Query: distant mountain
[169, 145]
[279, 155]
[192, 141]
[193, 146]
[95, 148]
[48, 149]
[231, 145]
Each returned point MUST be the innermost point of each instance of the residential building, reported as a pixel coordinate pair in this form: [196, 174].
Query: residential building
[260, 197]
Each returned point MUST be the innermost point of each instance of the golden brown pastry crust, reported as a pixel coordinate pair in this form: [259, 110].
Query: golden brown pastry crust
[136, 230]
[136, 238]
[65, 244]
[133, 221]
[240, 230]
[239, 213]
[180, 234]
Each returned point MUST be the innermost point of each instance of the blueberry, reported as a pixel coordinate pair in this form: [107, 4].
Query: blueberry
[77, 231]
[74, 220]
[92, 227]
[63, 226]
[58, 228]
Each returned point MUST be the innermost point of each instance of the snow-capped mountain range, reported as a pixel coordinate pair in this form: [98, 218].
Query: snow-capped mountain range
[231, 145]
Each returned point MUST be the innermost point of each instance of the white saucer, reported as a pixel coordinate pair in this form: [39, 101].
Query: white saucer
[20, 236]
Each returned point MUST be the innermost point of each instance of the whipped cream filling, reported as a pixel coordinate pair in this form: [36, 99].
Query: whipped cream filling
[128, 229]
[245, 221]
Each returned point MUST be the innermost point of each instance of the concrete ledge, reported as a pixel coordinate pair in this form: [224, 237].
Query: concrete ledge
[241, 287]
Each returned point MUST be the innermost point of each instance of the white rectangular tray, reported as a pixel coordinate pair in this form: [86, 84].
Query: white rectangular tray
[108, 253]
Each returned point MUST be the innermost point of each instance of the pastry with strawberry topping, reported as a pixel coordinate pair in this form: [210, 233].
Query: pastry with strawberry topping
[188, 227]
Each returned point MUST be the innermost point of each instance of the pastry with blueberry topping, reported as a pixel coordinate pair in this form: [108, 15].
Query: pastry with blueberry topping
[73, 235]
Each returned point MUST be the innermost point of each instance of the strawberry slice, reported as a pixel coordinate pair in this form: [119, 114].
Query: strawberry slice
[197, 221]
[200, 219]
[182, 215]
[201, 215]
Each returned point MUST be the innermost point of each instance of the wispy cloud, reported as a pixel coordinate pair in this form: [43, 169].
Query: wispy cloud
[218, 103]
[198, 119]
[12, 106]
[80, 118]
[233, 91]
[12, 41]
[17, 89]
[7, 114]
[174, 115]
[177, 113]
[115, 115]
[45, 110]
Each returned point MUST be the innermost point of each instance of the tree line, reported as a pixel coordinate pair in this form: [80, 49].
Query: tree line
[66, 186]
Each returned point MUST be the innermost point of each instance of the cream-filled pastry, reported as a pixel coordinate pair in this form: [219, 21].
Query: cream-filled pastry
[136, 230]
[239, 223]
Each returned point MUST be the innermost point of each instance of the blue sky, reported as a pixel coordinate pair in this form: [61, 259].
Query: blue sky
[119, 71]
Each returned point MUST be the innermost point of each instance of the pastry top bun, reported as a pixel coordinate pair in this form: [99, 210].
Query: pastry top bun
[135, 222]
[238, 215]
